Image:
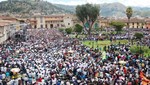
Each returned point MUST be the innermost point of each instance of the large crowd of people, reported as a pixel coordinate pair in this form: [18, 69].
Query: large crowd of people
[47, 57]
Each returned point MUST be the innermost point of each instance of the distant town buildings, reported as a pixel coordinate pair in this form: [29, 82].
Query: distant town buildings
[68, 20]
[8, 26]
[133, 23]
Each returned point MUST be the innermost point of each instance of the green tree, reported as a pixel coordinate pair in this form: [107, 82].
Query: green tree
[68, 30]
[138, 36]
[118, 26]
[129, 13]
[78, 29]
[87, 14]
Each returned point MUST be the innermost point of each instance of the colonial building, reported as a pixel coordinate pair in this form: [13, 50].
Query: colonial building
[52, 21]
[133, 23]
[104, 22]
[8, 26]
[5, 30]
[68, 20]
[148, 23]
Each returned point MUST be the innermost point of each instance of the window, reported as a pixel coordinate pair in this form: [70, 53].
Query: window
[41, 26]
[35, 26]
[127, 24]
[58, 25]
[46, 26]
[51, 25]
[132, 26]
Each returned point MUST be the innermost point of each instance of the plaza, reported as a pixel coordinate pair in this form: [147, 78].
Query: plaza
[81, 48]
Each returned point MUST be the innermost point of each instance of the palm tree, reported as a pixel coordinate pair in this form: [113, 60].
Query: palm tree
[129, 13]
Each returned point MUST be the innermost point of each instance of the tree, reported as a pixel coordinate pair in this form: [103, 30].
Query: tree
[118, 26]
[129, 13]
[68, 30]
[78, 29]
[87, 14]
[138, 36]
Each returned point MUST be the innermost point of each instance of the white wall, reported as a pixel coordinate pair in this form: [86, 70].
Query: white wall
[68, 21]
[4, 35]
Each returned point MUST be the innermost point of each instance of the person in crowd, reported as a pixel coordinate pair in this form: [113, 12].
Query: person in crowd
[49, 58]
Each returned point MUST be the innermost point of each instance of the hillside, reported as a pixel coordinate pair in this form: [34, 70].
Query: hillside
[66, 7]
[113, 10]
[30, 7]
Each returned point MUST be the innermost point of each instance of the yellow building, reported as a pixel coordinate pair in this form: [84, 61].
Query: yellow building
[133, 23]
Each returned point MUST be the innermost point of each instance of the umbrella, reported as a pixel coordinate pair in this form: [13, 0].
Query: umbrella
[122, 62]
[15, 70]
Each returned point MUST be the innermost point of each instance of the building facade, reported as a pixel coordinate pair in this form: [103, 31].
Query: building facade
[52, 21]
[148, 23]
[133, 23]
[68, 20]
[9, 26]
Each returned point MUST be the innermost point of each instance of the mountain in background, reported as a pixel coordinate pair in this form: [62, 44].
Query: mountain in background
[31, 7]
[67, 7]
[113, 10]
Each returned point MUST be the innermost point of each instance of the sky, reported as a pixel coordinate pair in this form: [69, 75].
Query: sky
[140, 3]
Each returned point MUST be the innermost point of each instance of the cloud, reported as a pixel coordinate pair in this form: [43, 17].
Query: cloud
[141, 3]
[2, 0]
